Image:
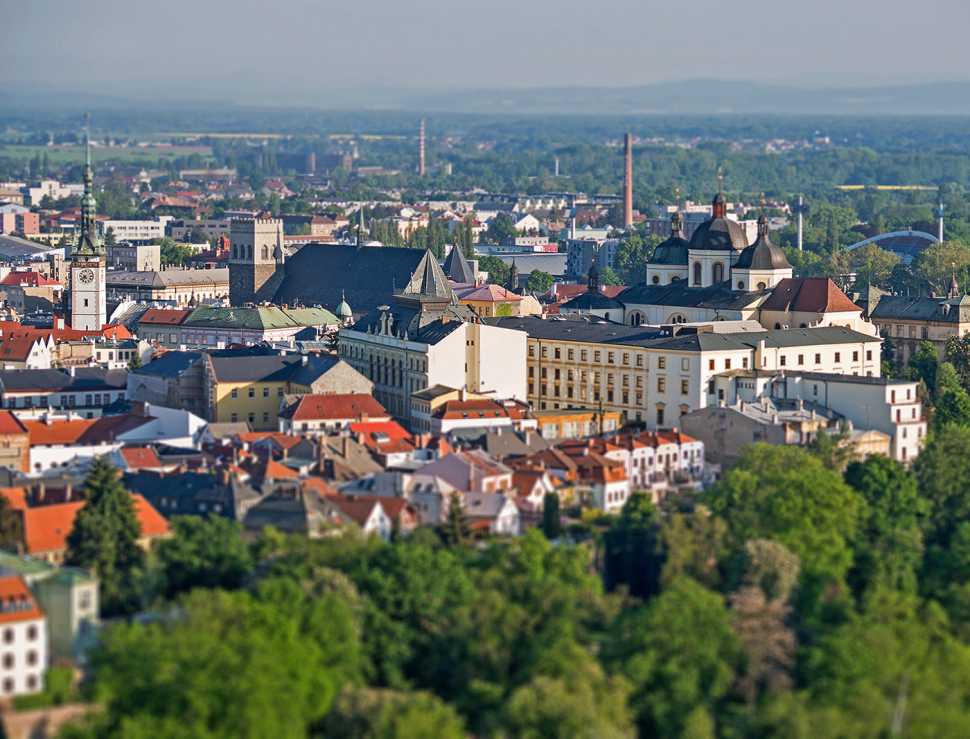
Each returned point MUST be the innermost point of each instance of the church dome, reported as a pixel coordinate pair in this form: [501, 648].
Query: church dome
[343, 310]
[762, 254]
[673, 251]
[719, 233]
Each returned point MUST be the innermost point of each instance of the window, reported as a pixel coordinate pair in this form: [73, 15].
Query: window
[252, 392]
[818, 359]
[744, 363]
[685, 387]
[31, 682]
[279, 392]
[8, 661]
[8, 636]
[582, 355]
[544, 372]
[727, 364]
[661, 363]
[557, 354]
[544, 352]
[532, 371]
[626, 358]
[252, 417]
[710, 364]
[639, 360]
[234, 393]
[781, 361]
[84, 602]
[569, 354]
[265, 392]
[31, 658]
[265, 417]
[801, 359]
[609, 357]
[869, 355]
[684, 364]
[660, 416]
[661, 385]
[556, 374]
[838, 357]
[532, 350]
[596, 356]
[855, 356]
[8, 682]
[234, 418]
[697, 276]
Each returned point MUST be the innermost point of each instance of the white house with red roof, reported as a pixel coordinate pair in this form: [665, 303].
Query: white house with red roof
[482, 413]
[327, 414]
[23, 639]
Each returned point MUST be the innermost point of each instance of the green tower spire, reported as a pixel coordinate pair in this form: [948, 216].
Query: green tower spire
[87, 244]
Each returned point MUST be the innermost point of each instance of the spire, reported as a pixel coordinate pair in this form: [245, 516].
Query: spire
[594, 278]
[677, 224]
[762, 225]
[719, 206]
[87, 244]
[514, 277]
[954, 291]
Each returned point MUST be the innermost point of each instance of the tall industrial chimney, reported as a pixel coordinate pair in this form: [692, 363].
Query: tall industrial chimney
[421, 150]
[800, 209]
[940, 234]
[628, 181]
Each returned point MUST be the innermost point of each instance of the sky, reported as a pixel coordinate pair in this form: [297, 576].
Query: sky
[287, 50]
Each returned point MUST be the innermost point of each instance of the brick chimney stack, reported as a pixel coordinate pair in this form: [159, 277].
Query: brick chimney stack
[628, 181]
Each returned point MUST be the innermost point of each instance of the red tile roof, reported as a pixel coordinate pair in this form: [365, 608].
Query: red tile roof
[349, 406]
[46, 528]
[10, 424]
[164, 317]
[488, 294]
[140, 457]
[565, 293]
[57, 431]
[356, 508]
[809, 295]
[29, 279]
[14, 592]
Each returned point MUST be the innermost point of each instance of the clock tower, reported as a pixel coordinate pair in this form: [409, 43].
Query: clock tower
[88, 310]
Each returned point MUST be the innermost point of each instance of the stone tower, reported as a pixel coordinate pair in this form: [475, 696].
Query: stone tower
[255, 259]
[88, 308]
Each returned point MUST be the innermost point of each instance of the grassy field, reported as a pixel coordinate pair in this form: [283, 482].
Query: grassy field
[127, 155]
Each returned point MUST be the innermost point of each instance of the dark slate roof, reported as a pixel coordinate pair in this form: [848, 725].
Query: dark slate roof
[457, 268]
[953, 310]
[588, 301]
[170, 364]
[321, 274]
[54, 380]
[553, 330]
[681, 294]
[271, 368]
[426, 323]
[673, 251]
[762, 254]
[719, 234]
[14, 247]
[190, 489]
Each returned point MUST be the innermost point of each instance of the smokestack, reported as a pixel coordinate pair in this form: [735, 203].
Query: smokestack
[421, 149]
[940, 234]
[799, 223]
[628, 181]
[557, 166]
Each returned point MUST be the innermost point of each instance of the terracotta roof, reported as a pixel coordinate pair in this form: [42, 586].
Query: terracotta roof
[10, 424]
[164, 317]
[28, 279]
[487, 293]
[82, 430]
[17, 603]
[16, 496]
[454, 409]
[46, 528]
[17, 349]
[392, 428]
[356, 508]
[809, 295]
[565, 293]
[319, 485]
[140, 457]
[322, 407]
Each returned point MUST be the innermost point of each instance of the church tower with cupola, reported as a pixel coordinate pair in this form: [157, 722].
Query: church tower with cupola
[88, 308]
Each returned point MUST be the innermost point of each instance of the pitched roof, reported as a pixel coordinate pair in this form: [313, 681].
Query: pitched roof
[357, 509]
[337, 406]
[29, 279]
[487, 293]
[17, 602]
[271, 368]
[140, 457]
[457, 268]
[809, 295]
[54, 380]
[61, 431]
[164, 317]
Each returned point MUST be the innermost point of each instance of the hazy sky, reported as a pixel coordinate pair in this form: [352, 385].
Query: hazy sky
[243, 49]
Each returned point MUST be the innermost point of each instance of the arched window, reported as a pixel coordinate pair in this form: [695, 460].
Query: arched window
[777, 325]
[762, 286]
[697, 273]
[249, 252]
[235, 252]
[674, 279]
[656, 279]
[264, 253]
[607, 316]
[718, 272]
[677, 318]
[740, 284]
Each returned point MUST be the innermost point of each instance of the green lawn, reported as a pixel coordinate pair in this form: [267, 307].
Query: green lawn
[122, 155]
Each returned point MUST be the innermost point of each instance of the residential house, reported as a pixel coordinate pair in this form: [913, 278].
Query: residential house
[163, 327]
[473, 470]
[492, 513]
[31, 292]
[80, 390]
[23, 624]
[368, 513]
[173, 380]
[327, 414]
[482, 414]
[14, 444]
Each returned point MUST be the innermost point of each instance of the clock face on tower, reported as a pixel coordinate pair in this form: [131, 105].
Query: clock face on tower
[85, 276]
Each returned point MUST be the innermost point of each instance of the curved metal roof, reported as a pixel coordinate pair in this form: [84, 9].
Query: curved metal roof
[907, 245]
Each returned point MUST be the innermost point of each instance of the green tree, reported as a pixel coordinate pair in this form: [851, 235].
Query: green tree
[109, 237]
[500, 229]
[455, 530]
[956, 352]
[947, 380]
[227, 665]
[674, 672]
[922, 365]
[539, 281]
[786, 494]
[691, 545]
[952, 408]
[374, 713]
[935, 265]
[608, 277]
[769, 643]
[105, 534]
[770, 566]
[135, 361]
[11, 526]
[204, 553]
[498, 271]
[889, 547]
[633, 555]
[551, 525]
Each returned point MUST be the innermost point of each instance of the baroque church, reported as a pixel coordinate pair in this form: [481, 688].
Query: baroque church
[719, 276]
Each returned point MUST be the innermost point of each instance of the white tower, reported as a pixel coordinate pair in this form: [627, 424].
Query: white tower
[88, 310]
